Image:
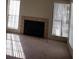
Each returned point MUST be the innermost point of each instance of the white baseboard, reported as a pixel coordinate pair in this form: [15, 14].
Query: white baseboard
[70, 49]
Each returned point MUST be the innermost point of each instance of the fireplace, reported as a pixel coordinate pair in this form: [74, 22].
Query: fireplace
[38, 25]
[34, 28]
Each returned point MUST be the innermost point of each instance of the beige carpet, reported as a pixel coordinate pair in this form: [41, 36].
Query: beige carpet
[35, 48]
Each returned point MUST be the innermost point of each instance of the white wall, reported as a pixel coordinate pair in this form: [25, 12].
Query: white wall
[71, 29]
[35, 8]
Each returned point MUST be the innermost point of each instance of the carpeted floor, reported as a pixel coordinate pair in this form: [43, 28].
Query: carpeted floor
[35, 48]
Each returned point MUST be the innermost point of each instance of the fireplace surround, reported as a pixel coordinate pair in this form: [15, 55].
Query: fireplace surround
[35, 19]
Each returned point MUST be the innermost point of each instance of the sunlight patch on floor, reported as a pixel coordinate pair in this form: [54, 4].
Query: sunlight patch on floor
[14, 47]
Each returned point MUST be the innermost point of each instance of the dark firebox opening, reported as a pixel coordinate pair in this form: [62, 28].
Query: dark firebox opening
[34, 28]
